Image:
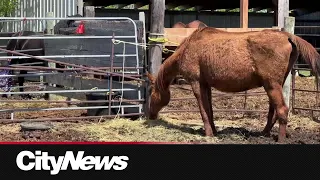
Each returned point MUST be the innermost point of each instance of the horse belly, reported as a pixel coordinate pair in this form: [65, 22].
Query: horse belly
[234, 79]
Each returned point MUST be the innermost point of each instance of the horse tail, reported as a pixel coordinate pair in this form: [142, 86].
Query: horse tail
[307, 52]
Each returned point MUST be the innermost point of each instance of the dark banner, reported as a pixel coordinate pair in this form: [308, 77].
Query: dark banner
[145, 161]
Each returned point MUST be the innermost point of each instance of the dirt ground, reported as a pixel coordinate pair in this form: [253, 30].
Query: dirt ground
[233, 127]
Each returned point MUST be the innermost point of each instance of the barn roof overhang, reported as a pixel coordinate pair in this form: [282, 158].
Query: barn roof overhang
[213, 4]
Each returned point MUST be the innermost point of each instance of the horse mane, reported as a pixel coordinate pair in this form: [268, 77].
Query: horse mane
[169, 69]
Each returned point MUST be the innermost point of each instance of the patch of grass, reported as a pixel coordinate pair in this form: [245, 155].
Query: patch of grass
[305, 73]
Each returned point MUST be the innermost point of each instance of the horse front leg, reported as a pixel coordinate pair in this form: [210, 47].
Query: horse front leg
[201, 92]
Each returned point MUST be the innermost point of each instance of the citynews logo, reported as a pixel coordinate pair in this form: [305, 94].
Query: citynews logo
[42, 161]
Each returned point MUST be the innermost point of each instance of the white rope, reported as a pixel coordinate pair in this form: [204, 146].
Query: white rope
[122, 82]
[164, 34]
[116, 41]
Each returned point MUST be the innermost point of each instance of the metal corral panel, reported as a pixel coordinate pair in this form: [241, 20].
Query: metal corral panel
[39, 8]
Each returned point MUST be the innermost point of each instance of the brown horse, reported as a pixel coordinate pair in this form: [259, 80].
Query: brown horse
[233, 62]
[192, 24]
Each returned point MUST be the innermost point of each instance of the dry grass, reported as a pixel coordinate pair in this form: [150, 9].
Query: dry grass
[242, 131]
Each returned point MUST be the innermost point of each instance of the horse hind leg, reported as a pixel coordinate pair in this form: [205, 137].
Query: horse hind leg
[201, 93]
[275, 95]
[271, 120]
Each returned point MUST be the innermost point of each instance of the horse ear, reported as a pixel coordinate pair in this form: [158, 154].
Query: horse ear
[150, 77]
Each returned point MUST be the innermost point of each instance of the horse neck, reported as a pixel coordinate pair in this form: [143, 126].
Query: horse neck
[168, 71]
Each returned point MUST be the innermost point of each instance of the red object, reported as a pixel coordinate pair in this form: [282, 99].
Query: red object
[80, 29]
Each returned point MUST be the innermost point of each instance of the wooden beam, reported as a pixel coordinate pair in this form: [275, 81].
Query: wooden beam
[80, 7]
[289, 23]
[244, 16]
[89, 11]
[157, 12]
[286, 23]
[283, 11]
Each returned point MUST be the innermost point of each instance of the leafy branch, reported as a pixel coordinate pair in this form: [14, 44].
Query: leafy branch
[7, 7]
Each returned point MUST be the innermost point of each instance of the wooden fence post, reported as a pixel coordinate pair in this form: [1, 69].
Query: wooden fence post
[156, 24]
[89, 11]
[244, 16]
[157, 11]
[50, 31]
[142, 18]
[80, 7]
[289, 23]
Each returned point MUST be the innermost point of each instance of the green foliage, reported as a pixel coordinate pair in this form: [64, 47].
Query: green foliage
[7, 7]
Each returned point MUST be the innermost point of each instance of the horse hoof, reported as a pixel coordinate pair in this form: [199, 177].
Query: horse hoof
[281, 139]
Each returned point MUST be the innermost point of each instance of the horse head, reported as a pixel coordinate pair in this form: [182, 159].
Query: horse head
[158, 96]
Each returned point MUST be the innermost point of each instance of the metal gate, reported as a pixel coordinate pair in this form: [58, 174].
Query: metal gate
[120, 56]
[305, 92]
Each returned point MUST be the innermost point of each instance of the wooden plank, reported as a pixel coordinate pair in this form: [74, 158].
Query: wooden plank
[244, 13]
[176, 35]
[70, 80]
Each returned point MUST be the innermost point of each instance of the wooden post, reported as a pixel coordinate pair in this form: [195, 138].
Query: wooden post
[289, 23]
[283, 15]
[50, 31]
[142, 17]
[157, 12]
[80, 7]
[244, 13]
[283, 11]
[89, 11]
[156, 29]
